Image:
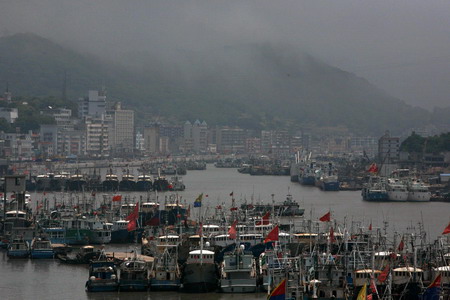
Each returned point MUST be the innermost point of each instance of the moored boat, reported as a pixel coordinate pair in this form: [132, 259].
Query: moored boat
[41, 248]
[102, 276]
[199, 273]
[134, 274]
[238, 271]
[18, 248]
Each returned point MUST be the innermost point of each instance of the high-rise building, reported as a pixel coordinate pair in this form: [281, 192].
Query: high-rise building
[121, 130]
[97, 137]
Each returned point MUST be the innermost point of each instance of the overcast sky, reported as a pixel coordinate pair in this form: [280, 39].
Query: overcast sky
[402, 47]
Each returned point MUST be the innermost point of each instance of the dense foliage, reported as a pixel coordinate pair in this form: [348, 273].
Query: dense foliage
[434, 144]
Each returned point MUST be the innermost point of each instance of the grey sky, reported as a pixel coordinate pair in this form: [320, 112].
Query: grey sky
[401, 46]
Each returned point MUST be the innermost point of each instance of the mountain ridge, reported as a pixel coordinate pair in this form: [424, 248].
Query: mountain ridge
[251, 85]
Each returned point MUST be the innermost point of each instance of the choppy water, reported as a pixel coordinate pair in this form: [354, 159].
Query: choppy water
[49, 279]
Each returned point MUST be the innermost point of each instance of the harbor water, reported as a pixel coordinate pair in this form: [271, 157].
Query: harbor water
[50, 279]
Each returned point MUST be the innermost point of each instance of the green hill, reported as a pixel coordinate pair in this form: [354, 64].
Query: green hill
[251, 85]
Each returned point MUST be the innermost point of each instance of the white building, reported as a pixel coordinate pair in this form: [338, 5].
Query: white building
[93, 105]
[97, 137]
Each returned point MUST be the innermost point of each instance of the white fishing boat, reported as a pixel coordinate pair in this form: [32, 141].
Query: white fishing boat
[418, 191]
[396, 190]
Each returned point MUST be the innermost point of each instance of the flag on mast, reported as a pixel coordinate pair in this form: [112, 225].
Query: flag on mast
[326, 217]
[447, 229]
[198, 201]
[272, 236]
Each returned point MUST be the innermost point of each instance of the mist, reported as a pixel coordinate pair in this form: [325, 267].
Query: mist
[400, 46]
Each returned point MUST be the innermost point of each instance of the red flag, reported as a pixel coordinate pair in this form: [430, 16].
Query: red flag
[131, 225]
[436, 282]
[233, 208]
[264, 220]
[135, 214]
[332, 238]
[117, 198]
[232, 231]
[272, 236]
[401, 246]
[370, 227]
[447, 229]
[373, 168]
[384, 275]
[326, 217]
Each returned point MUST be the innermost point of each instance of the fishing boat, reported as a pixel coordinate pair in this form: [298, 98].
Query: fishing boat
[375, 189]
[18, 248]
[287, 208]
[41, 248]
[165, 273]
[418, 191]
[161, 184]
[77, 182]
[127, 183]
[144, 183]
[102, 276]
[177, 183]
[85, 255]
[238, 271]
[134, 274]
[396, 190]
[111, 182]
[199, 273]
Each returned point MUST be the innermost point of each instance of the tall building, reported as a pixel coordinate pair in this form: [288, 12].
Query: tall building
[275, 142]
[97, 137]
[388, 149]
[151, 138]
[121, 129]
[200, 136]
[231, 140]
[93, 105]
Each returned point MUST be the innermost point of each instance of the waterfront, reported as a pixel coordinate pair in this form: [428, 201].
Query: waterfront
[44, 279]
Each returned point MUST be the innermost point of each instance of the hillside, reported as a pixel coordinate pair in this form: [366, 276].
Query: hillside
[251, 85]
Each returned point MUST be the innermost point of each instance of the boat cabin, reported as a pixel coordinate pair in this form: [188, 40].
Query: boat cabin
[406, 274]
[201, 256]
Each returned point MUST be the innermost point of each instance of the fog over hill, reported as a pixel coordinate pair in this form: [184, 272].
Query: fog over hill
[254, 85]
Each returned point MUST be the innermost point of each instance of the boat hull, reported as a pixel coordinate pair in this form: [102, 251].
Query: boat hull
[18, 253]
[42, 254]
[238, 285]
[102, 286]
[164, 285]
[330, 186]
[199, 278]
[133, 285]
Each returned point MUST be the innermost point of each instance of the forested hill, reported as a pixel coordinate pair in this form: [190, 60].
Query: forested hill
[251, 85]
